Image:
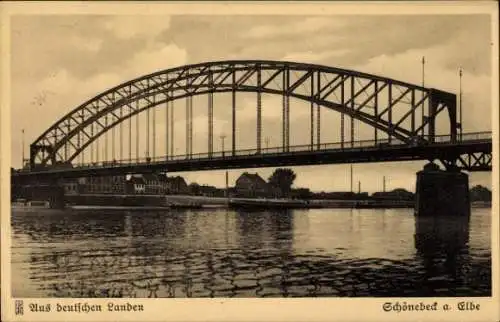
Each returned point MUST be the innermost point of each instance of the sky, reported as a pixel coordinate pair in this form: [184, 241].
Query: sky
[60, 61]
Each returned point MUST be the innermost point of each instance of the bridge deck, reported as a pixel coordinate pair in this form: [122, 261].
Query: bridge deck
[329, 153]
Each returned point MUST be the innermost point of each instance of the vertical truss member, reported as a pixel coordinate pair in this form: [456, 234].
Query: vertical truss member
[130, 133]
[147, 132]
[259, 109]
[353, 107]
[342, 115]
[375, 109]
[82, 153]
[233, 106]
[286, 110]
[389, 103]
[318, 116]
[311, 119]
[167, 127]
[137, 132]
[121, 133]
[172, 124]
[189, 126]
[210, 115]
[154, 127]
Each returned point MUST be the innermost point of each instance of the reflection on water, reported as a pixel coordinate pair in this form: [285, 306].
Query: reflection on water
[223, 253]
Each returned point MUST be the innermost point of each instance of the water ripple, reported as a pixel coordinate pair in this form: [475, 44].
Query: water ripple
[231, 254]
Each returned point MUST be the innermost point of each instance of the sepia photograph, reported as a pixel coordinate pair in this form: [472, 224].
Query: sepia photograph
[249, 152]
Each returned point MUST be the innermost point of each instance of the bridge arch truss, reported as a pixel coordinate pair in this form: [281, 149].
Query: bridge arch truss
[402, 111]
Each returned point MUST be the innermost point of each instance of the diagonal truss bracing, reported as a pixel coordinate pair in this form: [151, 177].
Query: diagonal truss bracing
[387, 105]
[473, 161]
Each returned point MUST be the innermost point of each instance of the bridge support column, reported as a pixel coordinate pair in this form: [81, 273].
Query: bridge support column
[52, 193]
[442, 193]
[57, 199]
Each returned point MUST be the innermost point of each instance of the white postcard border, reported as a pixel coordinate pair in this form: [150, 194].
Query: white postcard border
[321, 309]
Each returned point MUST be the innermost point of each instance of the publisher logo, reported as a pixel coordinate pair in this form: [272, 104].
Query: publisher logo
[19, 307]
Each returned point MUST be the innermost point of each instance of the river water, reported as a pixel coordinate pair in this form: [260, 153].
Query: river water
[227, 253]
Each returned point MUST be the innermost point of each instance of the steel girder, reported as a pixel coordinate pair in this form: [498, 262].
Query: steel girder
[472, 162]
[333, 154]
[404, 111]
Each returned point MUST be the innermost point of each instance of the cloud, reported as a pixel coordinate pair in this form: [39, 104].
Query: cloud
[92, 45]
[301, 26]
[312, 56]
[161, 56]
[126, 27]
[65, 85]
[158, 57]
[407, 67]
[67, 91]
[105, 51]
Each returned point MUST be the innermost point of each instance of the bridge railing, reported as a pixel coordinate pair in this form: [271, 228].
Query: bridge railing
[465, 137]
[475, 136]
[346, 145]
[245, 152]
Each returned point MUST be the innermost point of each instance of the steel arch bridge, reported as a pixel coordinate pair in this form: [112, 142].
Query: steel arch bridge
[397, 111]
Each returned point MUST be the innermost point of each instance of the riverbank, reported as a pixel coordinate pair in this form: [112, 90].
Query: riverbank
[481, 204]
[201, 202]
[315, 204]
[159, 202]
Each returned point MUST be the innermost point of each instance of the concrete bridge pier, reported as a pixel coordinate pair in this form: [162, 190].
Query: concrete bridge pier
[57, 199]
[442, 193]
[52, 193]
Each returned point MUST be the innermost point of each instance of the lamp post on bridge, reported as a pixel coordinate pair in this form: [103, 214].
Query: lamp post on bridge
[226, 190]
[227, 186]
[423, 71]
[222, 138]
[351, 178]
[22, 151]
[460, 73]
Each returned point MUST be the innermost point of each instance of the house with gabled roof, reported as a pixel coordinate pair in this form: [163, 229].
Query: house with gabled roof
[176, 185]
[251, 185]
